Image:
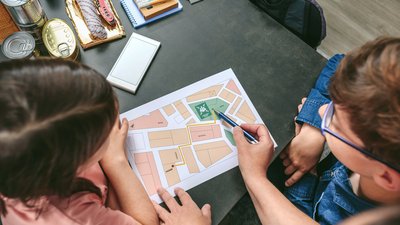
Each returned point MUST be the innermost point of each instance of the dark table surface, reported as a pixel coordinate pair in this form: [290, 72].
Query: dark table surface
[274, 66]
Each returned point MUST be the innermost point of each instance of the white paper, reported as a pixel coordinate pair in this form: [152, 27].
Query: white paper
[177, 141]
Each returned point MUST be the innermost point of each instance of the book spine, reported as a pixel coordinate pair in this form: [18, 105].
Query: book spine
[128, 13]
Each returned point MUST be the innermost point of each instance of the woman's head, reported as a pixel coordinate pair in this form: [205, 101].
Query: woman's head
[54, 116]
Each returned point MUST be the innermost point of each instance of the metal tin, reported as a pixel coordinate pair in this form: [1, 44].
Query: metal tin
[19, 45]
[59, 39]
[27, 14]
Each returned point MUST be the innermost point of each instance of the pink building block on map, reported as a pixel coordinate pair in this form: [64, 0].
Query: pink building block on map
[148, 171]
[232, 86]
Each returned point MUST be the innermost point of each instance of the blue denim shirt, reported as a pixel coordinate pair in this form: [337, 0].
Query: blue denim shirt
[328, 199]
[319, 94]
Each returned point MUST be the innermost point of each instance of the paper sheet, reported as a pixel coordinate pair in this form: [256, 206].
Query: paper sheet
[177, 140]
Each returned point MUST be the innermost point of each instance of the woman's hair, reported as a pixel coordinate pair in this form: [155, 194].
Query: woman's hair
[54, 115]
[367, 85]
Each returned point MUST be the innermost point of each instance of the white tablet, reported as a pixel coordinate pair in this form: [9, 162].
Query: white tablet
[133, 62]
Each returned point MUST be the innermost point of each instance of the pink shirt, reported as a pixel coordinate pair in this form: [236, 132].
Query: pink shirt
[82, 208]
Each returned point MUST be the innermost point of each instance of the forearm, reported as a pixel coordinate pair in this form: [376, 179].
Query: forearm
[131, 195]
[272, 206]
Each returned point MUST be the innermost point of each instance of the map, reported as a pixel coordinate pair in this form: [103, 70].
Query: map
[178, 141]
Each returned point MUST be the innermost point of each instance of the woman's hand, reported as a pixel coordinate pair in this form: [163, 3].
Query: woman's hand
[115, 149]
[186, 214]
[253, 158]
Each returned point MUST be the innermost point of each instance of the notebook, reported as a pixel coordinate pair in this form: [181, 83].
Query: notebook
[155, 10]
[136, 17]
[133, 62]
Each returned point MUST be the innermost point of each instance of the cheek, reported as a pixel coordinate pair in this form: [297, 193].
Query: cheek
[348, 156]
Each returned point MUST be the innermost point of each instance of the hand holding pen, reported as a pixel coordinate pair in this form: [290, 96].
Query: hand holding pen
[250, 138]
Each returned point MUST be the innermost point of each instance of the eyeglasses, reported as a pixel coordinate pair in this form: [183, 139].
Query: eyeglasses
[326, 122]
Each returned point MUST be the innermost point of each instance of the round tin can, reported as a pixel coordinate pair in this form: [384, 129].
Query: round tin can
[27, 14]
[59, 39]
[19, 45]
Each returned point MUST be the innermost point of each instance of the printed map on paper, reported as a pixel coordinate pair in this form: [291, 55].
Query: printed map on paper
[178, 141]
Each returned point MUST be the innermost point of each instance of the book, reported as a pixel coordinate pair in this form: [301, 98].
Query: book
[137, 19]
[152, 11]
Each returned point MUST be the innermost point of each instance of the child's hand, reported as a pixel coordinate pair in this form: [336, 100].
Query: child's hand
[253, 158]
[186, 214]
[116, 143]
[302, 154]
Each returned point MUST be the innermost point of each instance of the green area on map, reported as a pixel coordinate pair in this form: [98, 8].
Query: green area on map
[229, 135]
[203, 109]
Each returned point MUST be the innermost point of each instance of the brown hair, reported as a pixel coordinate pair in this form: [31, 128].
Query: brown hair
[54, 115]
[367, 85]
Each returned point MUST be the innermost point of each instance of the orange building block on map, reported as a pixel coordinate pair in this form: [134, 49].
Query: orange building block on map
[148, 171]
[169, 159]
[245, 113]
[210, 153]
[201, 133]
[205, 93]
[168, 137]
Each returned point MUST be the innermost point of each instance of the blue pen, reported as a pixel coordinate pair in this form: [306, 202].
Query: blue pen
[249, 137]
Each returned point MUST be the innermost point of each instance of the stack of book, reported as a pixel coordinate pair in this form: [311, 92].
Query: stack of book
[141, 12]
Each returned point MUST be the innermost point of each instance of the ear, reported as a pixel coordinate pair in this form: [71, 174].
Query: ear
[389, 179]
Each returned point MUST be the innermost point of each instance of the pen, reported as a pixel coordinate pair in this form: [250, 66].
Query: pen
[249, 137]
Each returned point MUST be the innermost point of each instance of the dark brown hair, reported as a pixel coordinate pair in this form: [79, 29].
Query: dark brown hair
[367, 85]
[54, 115]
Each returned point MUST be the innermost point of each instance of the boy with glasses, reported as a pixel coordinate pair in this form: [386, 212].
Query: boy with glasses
[361, 125]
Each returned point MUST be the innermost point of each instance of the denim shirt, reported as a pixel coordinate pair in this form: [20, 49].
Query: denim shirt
[319, 94]
[327, 199]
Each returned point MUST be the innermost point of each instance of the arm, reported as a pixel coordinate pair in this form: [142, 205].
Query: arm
[319, 95]
[130, 193]
[304, 151]
[272, 207]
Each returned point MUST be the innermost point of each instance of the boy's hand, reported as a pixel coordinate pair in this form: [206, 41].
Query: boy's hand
[253, 158]
[303, 152]
[186, 214]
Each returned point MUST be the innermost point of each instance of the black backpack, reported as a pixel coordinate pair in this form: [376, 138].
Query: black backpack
[304, 18]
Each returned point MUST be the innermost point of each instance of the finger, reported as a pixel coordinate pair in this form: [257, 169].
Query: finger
[290, 169]
[161, 212]
[299, 107]
[206, 211]
[294, 178]
[239, 137]
[303, 100]
[297, 128]
[286, 162]
[124, 126]
[168, 199]
[184, 197]
[283, 155]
